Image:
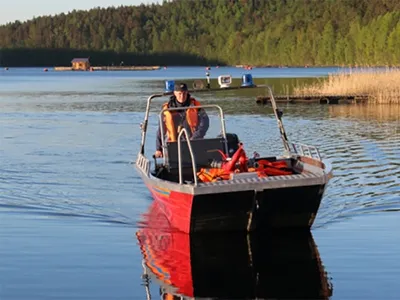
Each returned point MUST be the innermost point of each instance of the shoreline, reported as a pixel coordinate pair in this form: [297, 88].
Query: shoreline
[156, 67]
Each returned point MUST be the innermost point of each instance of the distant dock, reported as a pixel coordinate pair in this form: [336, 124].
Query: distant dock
[112, 68]
[322, 99]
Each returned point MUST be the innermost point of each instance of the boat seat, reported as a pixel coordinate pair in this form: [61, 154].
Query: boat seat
[204, 150]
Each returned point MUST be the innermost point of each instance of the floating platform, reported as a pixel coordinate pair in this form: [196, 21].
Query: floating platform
[322, 99]
[62, 68]
[111, 68]
[125, 68]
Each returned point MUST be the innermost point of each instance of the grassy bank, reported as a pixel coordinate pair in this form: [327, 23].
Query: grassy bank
[381, 86]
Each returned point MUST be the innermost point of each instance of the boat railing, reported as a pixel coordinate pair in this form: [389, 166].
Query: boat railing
[277, 112]
[160, 117]
[143, 163]
[306, 150]
[184, 131]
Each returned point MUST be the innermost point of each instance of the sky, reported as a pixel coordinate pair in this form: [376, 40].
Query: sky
[23, 10]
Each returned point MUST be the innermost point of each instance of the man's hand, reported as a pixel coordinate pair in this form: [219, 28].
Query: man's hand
[158, 154]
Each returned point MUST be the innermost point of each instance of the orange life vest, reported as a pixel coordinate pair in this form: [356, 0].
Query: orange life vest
[213, 174]
[191, 117]
[265, 169]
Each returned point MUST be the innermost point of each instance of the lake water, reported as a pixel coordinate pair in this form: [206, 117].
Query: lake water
[70, 199]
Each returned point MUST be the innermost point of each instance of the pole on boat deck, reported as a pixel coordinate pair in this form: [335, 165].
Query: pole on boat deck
[278, 115]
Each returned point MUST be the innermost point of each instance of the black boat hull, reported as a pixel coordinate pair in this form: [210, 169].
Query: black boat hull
[281, 208]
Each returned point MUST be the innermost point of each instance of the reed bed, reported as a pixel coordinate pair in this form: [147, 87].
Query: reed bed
[381, 86]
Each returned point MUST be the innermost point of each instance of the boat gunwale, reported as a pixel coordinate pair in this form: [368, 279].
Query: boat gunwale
[238, 185]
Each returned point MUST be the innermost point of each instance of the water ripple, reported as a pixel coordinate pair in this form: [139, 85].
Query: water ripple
[366, 170]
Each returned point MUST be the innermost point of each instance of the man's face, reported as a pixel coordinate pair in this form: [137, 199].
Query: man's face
[180, 96]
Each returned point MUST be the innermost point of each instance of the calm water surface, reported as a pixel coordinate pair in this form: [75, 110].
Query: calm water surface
[70, 199]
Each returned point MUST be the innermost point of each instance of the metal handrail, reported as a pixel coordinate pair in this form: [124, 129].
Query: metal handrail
[306, 150]
[272, 99]
[184, 131]
[221, 113]
[146, 120]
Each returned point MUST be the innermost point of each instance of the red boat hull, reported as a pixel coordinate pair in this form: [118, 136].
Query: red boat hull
[282, 208]
[176, 207]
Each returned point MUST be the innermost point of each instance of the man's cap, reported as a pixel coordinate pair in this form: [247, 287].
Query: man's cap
[181, 87]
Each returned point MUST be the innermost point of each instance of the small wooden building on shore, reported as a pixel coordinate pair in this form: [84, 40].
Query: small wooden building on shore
[80, 64]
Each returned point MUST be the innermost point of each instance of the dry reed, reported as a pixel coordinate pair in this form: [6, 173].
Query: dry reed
[381, 86]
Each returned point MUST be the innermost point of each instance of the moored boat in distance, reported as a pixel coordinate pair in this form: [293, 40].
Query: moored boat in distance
[210, 184]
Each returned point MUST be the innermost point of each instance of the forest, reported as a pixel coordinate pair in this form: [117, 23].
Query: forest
[209, 32]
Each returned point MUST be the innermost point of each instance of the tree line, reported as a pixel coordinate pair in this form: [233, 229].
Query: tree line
[225, 32]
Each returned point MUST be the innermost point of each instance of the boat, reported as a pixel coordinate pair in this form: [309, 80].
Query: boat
[228, 265]
[210, 184]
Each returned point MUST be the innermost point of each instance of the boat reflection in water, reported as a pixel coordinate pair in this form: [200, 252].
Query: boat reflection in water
[232, 265]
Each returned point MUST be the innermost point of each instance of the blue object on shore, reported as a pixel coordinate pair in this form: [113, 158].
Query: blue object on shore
[247, 80]
[169, 85]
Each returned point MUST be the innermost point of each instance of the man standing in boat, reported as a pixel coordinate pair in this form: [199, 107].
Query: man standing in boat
[195, 120]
